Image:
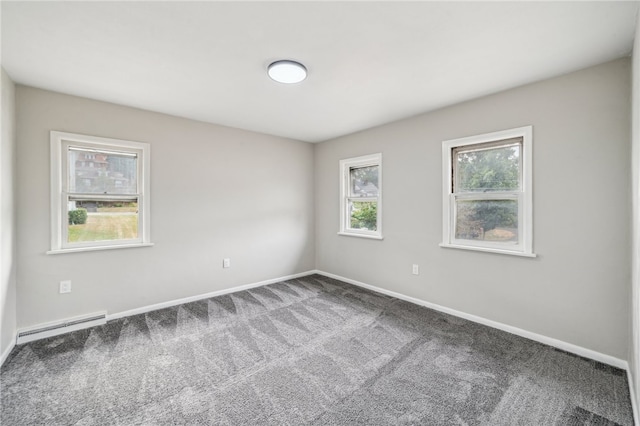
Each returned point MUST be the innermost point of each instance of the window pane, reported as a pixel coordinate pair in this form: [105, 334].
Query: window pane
[487, 220]
[363, 215]
[364, 181]
[95, 172]
[488, 169]
[97, 220]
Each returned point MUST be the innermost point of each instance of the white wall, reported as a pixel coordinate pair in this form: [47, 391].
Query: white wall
[634, 353]
[7, 216]
[577, 289]
[215, 192]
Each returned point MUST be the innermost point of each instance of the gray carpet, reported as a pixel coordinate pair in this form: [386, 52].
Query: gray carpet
[307, 351]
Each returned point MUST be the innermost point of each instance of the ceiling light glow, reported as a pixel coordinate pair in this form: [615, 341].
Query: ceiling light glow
[287, 72]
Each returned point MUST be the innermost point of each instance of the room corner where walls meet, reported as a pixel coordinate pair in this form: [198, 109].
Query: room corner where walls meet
[8, 290]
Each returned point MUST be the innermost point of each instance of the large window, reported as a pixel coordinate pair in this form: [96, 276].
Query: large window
[361, 196]
[487, 192]
[99, 193]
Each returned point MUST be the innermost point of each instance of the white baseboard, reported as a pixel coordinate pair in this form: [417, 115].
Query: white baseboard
[108, 317]
[189, 299]
[7, 351]
[565, 346]
[569, 347]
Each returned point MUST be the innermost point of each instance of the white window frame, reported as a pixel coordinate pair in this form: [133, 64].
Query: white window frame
[345, 167]
[524, 196]
[59, 143]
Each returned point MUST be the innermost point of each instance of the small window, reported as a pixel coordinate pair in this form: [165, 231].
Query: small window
[99, 204]
[487, 198]
[361, 196]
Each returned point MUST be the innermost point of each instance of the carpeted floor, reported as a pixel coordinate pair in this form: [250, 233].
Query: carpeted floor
[307, 351]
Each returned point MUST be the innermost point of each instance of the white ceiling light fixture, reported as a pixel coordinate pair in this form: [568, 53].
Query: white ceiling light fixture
[288, 72]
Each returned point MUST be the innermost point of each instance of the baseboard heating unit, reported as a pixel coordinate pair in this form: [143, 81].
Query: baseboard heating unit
[60, 327]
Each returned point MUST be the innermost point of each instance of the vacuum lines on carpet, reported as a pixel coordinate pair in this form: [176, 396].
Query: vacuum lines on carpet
[313, 351]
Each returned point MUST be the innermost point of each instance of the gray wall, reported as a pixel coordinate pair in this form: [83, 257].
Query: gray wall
[221, 192]
[577, 289]
[7, 215]
[634, 352]
[215, 192]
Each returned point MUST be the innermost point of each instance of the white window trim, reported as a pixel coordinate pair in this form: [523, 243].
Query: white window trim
[525, 196]
[59, 218]
[345, 166]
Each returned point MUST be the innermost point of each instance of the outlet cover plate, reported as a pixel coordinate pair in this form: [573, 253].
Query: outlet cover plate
[65, 286]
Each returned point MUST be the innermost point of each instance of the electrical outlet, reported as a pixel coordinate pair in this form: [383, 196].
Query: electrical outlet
[65, 286]
[226, 263]
[415, 270]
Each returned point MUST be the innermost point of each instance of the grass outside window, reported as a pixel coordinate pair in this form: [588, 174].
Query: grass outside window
[108, 223]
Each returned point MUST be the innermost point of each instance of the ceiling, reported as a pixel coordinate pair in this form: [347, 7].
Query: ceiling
[369, 63]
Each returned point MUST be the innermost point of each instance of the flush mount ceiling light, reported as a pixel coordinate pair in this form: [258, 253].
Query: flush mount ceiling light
[287, 72]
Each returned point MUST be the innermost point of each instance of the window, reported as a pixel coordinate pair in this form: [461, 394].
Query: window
[101, 204]
[487, 198]
[361, 196]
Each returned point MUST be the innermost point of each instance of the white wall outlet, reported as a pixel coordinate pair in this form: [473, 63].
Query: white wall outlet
[415, 270]
[65, 286]
[226, 263]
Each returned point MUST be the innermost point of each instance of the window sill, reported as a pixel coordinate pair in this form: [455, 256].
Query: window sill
[488, 250]
[97, 248]
[371, 237]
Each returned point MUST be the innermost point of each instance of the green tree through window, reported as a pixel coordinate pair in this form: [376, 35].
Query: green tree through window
[361, 196]
[487, 169]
